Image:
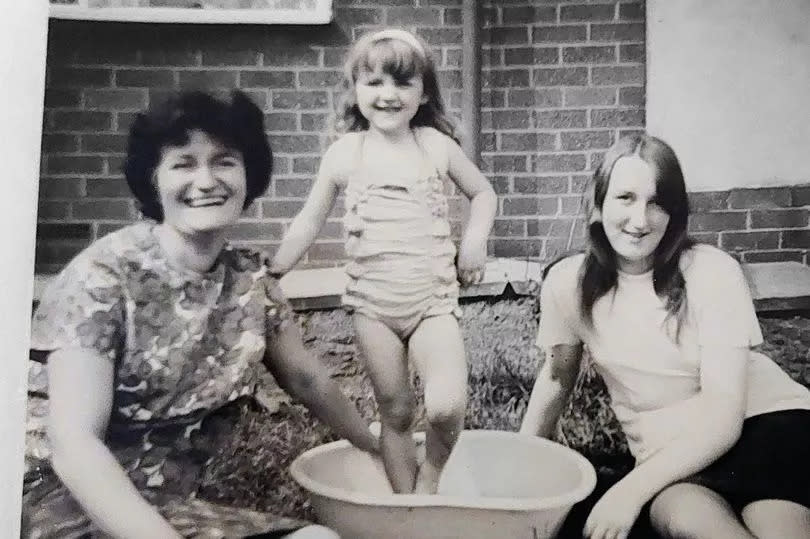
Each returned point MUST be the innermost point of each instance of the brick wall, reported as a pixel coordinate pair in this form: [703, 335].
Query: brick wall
[756, 225]
[561, 81]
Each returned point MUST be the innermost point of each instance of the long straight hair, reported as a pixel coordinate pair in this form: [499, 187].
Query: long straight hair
[599, 273]
[403, 61]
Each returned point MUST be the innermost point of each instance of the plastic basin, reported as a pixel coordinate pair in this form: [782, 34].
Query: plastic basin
[496, 484]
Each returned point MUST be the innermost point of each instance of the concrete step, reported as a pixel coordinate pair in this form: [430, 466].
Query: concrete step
[775, 286]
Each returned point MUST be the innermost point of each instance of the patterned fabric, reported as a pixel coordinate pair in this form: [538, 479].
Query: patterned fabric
[184, 344]
[402, 257]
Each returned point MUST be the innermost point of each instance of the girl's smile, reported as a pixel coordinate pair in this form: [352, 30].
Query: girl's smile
[388, 103]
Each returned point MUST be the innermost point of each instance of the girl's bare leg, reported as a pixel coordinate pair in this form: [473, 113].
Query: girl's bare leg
[437, 349]
[386, 364]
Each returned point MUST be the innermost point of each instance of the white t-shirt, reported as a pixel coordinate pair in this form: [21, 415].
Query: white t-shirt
[648, 374]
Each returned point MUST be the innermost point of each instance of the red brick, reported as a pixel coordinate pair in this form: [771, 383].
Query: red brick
[560, 76]
[748, 241]
[544, 185]
[717, 221]
[632, 96]
[516, 248]
[292, 187]
[505, 78]
[403, 16]
[709, 238]
[51, 256]
[617, 32]
[358, 16]
[224, 57]
[595, 159]
[102, 229]
[769, 197]
[530, 55]
[506, 119]
[164, 57]
[332, 230]
[558, 162]
[550, 228]
[449, 78]
[291, 56]
[560, 119]
[586, 140]
[441, 35]
[145, 78]
[334, 56]
[108, 143]
[60, 143]
[526, 142]
[504, 228]
[617, 118]
[631, 11]
[528, 14]
[319, 79]
[279, 209]
[542, 98]
[779, 218]
[246, 230]
[708, 200]
[509, 35]
[113, 209]
[295, 143]
[115, 164]
[496, 98]
[283, 99]
[571, 205]
[578, 183]
[306, 165]
[773, 256]
[207, 80]
[61, 188]
[55, 97]
[327, 251]
[74, 164]
[504, 163]
[632, 53]
[76, 77]
[79, 120]
[280, 122]
[589, 55]
[578, 97]
[453, 58]
[500, 184]
[587, 13]
[800, 195]
[615, 75]
[107, 188]
[49, 210]
[559, 34]
[795, 238]
[267, 79]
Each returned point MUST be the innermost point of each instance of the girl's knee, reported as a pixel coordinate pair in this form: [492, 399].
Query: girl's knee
[397, 411]
[446, 410]
[680, 511]
[313, 532]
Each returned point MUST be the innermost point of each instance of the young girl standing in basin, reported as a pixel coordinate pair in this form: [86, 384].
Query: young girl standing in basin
[393, 163]
[719, 432]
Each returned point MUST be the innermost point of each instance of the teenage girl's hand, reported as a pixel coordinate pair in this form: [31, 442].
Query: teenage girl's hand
[614, 514]
[471, 262]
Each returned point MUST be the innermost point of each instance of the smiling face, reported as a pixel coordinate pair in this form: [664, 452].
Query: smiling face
[633, 221]
[201, 184]
[387, 102]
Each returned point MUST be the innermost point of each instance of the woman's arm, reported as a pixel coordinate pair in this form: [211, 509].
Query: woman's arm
[310, 220]
[483, 206]
[551, 389]
[81, 393]
[298, 372]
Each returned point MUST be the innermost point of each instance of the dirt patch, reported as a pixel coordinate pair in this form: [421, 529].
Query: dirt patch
[252, 468]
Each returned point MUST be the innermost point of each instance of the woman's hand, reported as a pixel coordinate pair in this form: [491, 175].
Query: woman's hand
[472, 257]
[615, 513]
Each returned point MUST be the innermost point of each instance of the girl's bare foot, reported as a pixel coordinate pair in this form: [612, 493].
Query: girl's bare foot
[427, 479]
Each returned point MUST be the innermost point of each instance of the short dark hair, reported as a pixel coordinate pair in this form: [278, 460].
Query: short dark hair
[236, 123]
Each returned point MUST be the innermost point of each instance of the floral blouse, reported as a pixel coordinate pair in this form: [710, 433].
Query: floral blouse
[183, 343]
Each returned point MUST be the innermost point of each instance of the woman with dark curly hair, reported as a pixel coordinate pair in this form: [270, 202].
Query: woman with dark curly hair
[152, 331]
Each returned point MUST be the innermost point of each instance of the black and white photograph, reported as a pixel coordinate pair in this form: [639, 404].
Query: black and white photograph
[406, 269]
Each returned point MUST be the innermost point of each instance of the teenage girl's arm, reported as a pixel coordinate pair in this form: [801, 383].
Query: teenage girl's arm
[483, 205]
[554, 384]
[716, 413]
[309, 221]
[307, 379]
[81, 394]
